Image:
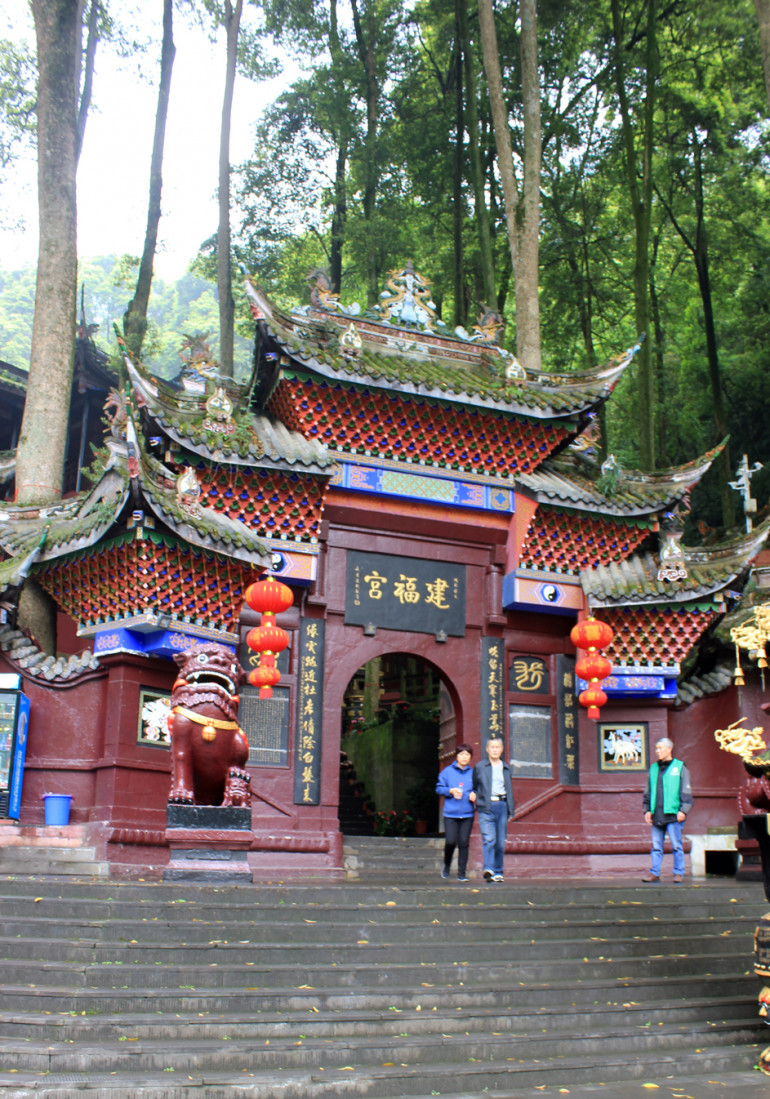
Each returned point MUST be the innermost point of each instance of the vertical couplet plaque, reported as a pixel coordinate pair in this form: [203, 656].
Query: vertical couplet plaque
[492, 672]
[567, 712]
[310, 677]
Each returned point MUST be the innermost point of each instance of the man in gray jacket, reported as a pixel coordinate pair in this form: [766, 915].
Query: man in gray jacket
[494, 805]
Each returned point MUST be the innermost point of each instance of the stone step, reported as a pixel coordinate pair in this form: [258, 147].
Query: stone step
[506, 972]
[52, 860]
[446, 1020]
[406, 932]
[367, 1051]
[16, 835]
[76, 998]
[334, 952]
[329, 988]
[692, 898]
[492, 1079]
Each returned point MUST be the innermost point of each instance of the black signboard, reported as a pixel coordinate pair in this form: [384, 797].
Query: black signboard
[310, 677]
[405, 593]
[528, 675]
[265, 721]
[492, 665]
[567, 712]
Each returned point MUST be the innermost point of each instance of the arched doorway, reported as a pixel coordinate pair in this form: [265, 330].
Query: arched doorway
[398, 730]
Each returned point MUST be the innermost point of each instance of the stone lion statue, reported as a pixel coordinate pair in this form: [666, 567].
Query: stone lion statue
[209, 750]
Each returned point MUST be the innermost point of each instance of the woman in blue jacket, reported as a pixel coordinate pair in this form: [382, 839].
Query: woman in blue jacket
[455, 784]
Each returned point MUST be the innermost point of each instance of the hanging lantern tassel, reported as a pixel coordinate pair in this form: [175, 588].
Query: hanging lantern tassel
[593, 697]
[738, 673]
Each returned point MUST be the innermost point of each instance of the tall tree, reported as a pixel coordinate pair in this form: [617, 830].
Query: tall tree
[476, 169]
[135, 317]
[763, 16]
[232, 25]
[639, 175]
[42, 442]
[522, 207]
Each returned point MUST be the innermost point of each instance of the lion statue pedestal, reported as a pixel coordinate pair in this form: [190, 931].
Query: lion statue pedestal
[208, 816]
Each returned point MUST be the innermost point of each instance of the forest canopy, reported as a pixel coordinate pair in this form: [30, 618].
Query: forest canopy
[654, 210]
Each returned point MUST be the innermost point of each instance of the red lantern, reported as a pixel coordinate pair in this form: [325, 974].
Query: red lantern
[593, 666]
[593, 697]
[269, 596]
[267, 639]
[591, 634]
[265, 678]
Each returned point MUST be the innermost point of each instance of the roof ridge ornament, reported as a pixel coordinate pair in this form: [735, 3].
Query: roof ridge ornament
[407, 299]
[188, 491]
[351, 343]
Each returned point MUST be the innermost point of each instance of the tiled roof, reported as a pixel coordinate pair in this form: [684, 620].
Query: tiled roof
[701, 686]
[574, 481]
[74, 524]
[208, 528]
[709, 570]
[431, 365]
[32, 536]
[257, 439]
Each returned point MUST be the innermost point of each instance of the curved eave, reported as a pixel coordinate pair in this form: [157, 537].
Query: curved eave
[391, 383]
[580, 392]
[58, 535]
[561, 492]
[636, 495]
[208, 529]
[634, 582]
[282, 448]
[210, 532]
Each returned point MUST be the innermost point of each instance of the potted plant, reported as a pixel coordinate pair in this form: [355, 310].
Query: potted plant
[421, 803]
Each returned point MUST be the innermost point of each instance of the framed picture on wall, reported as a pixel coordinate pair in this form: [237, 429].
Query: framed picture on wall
[154, 708]
[623, 747]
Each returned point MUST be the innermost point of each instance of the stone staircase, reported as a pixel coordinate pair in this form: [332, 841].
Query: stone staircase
[48, 850]
[356, 811]
[310, 990]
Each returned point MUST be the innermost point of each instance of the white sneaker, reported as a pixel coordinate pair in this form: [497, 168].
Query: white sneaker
[498, 877]
[488, 875]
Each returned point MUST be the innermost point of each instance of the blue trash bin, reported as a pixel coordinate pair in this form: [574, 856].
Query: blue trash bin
[57, 808]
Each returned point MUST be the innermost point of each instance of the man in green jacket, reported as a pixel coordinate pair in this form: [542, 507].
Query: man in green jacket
[667, 801]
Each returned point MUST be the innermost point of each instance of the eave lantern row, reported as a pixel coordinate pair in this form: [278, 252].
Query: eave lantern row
[590, 636]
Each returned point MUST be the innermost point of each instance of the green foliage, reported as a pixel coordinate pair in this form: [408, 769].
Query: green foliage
[187, 305]
[17, 100]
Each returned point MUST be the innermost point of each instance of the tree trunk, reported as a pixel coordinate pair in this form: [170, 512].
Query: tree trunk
[135, 317]
[701, 256]
[224, 262]
[458, 219]
[522, 213]
[528, 317]
[366, 42]
[88, 71]
[641, 206]
[41, 450]
[339, 217]
[763, 16]
[477, 174]
[340, 214]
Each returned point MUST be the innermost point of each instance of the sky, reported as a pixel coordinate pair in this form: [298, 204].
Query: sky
[113, 174]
